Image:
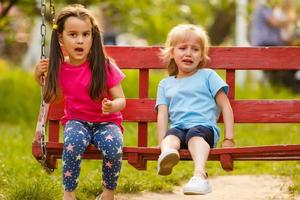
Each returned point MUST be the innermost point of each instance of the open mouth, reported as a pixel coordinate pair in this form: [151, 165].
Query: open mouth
[187, 62]
[79, 49]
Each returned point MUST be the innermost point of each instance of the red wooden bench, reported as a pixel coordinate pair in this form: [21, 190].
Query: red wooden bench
[141, 110]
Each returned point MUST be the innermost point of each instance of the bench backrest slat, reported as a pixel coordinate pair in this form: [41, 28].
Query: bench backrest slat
[263, 58]
[245, 111]
[230, 80]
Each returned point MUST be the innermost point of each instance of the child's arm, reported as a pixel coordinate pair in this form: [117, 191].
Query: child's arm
[162, 122]
[117, 103]
[223, 102]
[40, 70]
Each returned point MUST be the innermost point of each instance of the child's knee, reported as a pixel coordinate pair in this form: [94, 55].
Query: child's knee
[113, 154]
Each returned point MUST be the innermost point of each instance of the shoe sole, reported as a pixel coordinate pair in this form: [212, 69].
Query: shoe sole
[193, 192]
[167, 163]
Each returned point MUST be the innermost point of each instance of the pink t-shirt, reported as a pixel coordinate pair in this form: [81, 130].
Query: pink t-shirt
[75, 82]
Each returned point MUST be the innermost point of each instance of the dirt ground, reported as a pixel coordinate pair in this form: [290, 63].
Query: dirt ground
[244, 187]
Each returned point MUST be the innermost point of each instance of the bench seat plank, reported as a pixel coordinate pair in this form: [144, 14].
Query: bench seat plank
[249, 153]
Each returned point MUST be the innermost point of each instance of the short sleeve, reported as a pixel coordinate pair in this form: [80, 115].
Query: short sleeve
[161, 95]
[114, 75]
[216, 83]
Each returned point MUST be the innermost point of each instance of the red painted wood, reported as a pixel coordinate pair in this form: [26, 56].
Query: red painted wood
[136, 160]
[135, 57]
[53, 131]
[142, 134]
[36, 151]
[230, 80]
[266, 111]
[143, 83]
[260, 58]
[143, 93]
[250, 150]
[245, 111]
[141, 110]
[51, 162]
[274, 152]
[56, 111]
[226, 162]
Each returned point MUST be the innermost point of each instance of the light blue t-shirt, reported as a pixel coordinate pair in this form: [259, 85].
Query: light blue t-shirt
[191, 100]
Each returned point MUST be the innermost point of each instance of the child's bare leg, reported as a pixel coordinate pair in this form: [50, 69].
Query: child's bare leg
[170, 142]
[169, 156]
[196, 145]
[69, 195]
[107, 194]
[198, 184]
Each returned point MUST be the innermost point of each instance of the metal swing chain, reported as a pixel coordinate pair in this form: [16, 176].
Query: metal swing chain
[43, 104]
[43, 28]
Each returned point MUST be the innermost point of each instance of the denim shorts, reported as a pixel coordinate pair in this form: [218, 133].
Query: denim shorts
[185, 135]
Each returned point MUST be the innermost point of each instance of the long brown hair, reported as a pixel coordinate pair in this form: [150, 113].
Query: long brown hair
[97, 56]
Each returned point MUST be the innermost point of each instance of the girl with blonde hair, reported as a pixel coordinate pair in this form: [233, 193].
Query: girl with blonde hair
[190, 101]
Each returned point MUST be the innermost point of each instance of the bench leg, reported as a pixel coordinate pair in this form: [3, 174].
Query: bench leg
[137, 161]
[226, 162]
[52, 163]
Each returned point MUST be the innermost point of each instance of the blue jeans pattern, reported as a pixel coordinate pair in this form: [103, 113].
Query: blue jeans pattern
[107, 138]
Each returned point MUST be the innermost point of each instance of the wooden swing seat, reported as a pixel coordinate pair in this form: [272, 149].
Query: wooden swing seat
[141, 110]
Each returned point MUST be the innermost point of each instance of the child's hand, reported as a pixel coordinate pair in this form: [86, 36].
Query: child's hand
[228, 143]
[106, 106]
[41, 70]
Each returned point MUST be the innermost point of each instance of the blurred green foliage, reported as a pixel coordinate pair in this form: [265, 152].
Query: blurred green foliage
[148, 19]
[19, 94]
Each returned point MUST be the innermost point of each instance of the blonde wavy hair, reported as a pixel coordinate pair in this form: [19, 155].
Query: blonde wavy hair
[181, 33]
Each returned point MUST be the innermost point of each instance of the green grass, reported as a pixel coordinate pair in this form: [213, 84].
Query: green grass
[23, 178]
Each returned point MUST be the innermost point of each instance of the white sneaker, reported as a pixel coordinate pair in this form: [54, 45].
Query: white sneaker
[197, 185]
[166, 161]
